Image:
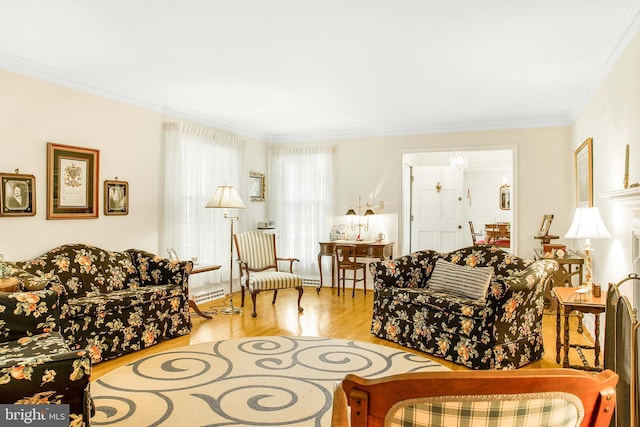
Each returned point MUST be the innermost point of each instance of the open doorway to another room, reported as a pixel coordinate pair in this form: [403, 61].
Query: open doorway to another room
[443, 190]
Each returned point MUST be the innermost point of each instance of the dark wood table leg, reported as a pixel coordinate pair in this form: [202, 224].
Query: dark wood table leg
[558, 331]
[193, 305]
[597, 342]
[565, 344]
[320, 270]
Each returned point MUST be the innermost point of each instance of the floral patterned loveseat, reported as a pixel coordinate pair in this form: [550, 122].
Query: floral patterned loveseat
[113, 303]
[36, 365]
[502, 332]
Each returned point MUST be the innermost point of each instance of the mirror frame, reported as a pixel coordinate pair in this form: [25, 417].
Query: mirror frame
[505, 197]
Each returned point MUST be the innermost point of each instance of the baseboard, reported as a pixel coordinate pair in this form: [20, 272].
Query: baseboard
[211, 295]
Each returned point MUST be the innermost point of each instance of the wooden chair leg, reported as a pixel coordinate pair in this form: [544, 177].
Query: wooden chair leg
[339, 280]
[275, 295]
[300, 292]
[254, 293]
[364, 279]
[242, 297]
[355, 276]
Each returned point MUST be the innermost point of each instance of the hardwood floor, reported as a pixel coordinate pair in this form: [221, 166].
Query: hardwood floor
[325, 314]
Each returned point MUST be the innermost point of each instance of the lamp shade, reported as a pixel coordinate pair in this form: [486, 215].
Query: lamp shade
[351, 212]
[369, 212]
[587, 224]
[225, 196]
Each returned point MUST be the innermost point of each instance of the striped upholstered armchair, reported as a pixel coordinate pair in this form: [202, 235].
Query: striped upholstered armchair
[259, 267]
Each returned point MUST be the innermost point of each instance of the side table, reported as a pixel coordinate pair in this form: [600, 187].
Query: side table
[201, 268]
[568, 301]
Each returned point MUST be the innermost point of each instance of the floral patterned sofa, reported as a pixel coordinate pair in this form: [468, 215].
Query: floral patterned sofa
[501, 331]
[36, 364]
[113, 303]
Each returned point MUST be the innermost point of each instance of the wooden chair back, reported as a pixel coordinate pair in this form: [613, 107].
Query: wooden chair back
[346, 259]
[257, 250]
[474, 235]
[463, 397]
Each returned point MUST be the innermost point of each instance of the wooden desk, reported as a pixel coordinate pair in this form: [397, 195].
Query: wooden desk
[201, 268]
[493, 232]
[364, 249]
[564, 276]
[569, 301]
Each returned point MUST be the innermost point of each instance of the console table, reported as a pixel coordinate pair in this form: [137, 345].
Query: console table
[364, 249]
[201, 268]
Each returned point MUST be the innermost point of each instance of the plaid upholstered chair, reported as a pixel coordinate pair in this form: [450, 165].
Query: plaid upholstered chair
[536, 397]
[259, 267]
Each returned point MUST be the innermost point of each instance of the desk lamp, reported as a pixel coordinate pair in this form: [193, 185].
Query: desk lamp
[226, 197]
[587, 224]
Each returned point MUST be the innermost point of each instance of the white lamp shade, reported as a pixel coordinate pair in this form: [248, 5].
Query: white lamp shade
[587, 224]
[225, 196]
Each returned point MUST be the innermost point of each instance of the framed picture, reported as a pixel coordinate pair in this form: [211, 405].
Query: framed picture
[72, 182]
[17, 194]
[545, 225]
[256, 186]
[116, 198]
[583, 159]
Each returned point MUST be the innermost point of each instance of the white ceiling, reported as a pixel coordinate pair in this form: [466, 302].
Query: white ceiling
[290, 70]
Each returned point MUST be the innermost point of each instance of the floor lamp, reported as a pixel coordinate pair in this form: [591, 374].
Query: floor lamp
[226, 197]
[587, 224]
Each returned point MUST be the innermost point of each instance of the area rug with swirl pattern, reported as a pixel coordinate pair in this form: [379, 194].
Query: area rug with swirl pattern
[259, 381]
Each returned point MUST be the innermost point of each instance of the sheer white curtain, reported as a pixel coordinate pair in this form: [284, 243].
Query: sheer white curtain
[301, 201]
[197, 160]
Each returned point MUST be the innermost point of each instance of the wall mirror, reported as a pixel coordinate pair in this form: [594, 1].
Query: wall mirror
[505, 197]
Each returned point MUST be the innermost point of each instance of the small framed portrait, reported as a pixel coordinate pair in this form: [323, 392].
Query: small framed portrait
[116, 198]
[17, 194]
[256, 186]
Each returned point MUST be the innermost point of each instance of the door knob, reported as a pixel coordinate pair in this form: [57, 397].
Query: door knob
[459, 227]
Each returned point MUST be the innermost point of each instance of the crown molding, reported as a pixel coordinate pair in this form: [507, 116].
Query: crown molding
[541, 122]
[64, 78]
[626, 31]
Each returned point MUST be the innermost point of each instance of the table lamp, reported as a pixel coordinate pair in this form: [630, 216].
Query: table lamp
[587, 224]
[226, 197]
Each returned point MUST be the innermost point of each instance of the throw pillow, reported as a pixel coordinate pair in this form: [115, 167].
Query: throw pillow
[461, 280]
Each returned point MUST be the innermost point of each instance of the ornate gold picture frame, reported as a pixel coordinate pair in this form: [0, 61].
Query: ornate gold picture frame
[17, 194]
[583, 160]
[72, 182]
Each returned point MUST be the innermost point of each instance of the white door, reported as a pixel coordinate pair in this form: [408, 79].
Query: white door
[436, 208]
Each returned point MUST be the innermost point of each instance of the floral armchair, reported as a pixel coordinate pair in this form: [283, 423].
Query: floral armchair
[36, 364]
[502, 330]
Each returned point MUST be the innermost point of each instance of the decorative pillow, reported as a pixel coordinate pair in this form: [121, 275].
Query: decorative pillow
[461, 280]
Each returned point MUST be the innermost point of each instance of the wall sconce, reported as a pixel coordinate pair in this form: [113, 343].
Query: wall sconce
[360, 225]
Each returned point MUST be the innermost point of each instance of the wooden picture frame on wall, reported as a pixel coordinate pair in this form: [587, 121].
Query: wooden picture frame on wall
[17, 194]
[256, 187]
[72, 182]
[116, 197]
[583, 161]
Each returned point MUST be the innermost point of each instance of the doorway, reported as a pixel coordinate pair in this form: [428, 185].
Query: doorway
[439, 200]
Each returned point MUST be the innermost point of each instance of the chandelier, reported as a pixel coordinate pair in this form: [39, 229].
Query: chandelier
[457, 161]
[360, 224]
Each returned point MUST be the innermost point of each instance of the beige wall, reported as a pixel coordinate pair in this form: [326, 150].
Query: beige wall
[611, 118]
[34, 112]
[372, 168]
